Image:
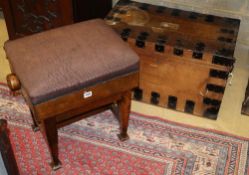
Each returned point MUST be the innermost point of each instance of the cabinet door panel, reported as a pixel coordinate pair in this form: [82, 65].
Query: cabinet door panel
[25, 17]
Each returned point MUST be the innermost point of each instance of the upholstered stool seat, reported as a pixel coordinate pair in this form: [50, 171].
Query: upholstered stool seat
[62, 60]
[70, 71]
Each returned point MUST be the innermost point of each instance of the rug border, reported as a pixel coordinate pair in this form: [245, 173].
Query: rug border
[224, 133]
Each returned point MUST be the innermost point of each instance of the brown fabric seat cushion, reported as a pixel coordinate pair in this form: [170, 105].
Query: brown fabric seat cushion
[62, 60]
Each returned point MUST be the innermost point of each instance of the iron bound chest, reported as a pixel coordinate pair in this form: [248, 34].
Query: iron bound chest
[185, 57]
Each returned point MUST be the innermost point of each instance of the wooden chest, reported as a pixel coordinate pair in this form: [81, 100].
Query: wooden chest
[186, 57]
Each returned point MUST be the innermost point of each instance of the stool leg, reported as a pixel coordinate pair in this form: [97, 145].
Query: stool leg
[51, 134]
[115, 110]
[124, 112]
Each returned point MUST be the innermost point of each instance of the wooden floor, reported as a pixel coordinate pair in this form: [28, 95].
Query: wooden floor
[229, 119]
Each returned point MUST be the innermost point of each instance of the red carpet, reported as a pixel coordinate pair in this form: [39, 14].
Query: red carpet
[155, 147]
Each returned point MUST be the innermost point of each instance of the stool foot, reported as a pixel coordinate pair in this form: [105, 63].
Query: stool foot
[55, 166]
[123, 137]
[35, 128]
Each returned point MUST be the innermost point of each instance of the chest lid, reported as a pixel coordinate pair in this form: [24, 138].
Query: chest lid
[182, 30]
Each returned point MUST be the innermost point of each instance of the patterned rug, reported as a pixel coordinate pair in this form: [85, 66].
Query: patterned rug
[155, 147]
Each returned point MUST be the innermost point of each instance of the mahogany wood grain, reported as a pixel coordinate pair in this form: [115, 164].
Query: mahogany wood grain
[76, 100]
[124, 111]
[69, 108]
[51, 135]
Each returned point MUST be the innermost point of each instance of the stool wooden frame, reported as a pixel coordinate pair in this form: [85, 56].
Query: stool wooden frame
[50, 115]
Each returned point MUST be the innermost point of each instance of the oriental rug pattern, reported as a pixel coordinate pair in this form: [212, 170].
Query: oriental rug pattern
[155, 147]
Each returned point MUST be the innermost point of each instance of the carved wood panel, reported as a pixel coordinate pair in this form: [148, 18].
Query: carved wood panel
[35, 21]
[25, 17]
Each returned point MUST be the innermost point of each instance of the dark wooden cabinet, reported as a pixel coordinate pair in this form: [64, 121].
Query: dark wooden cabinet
[25, 17]
[84, 10]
